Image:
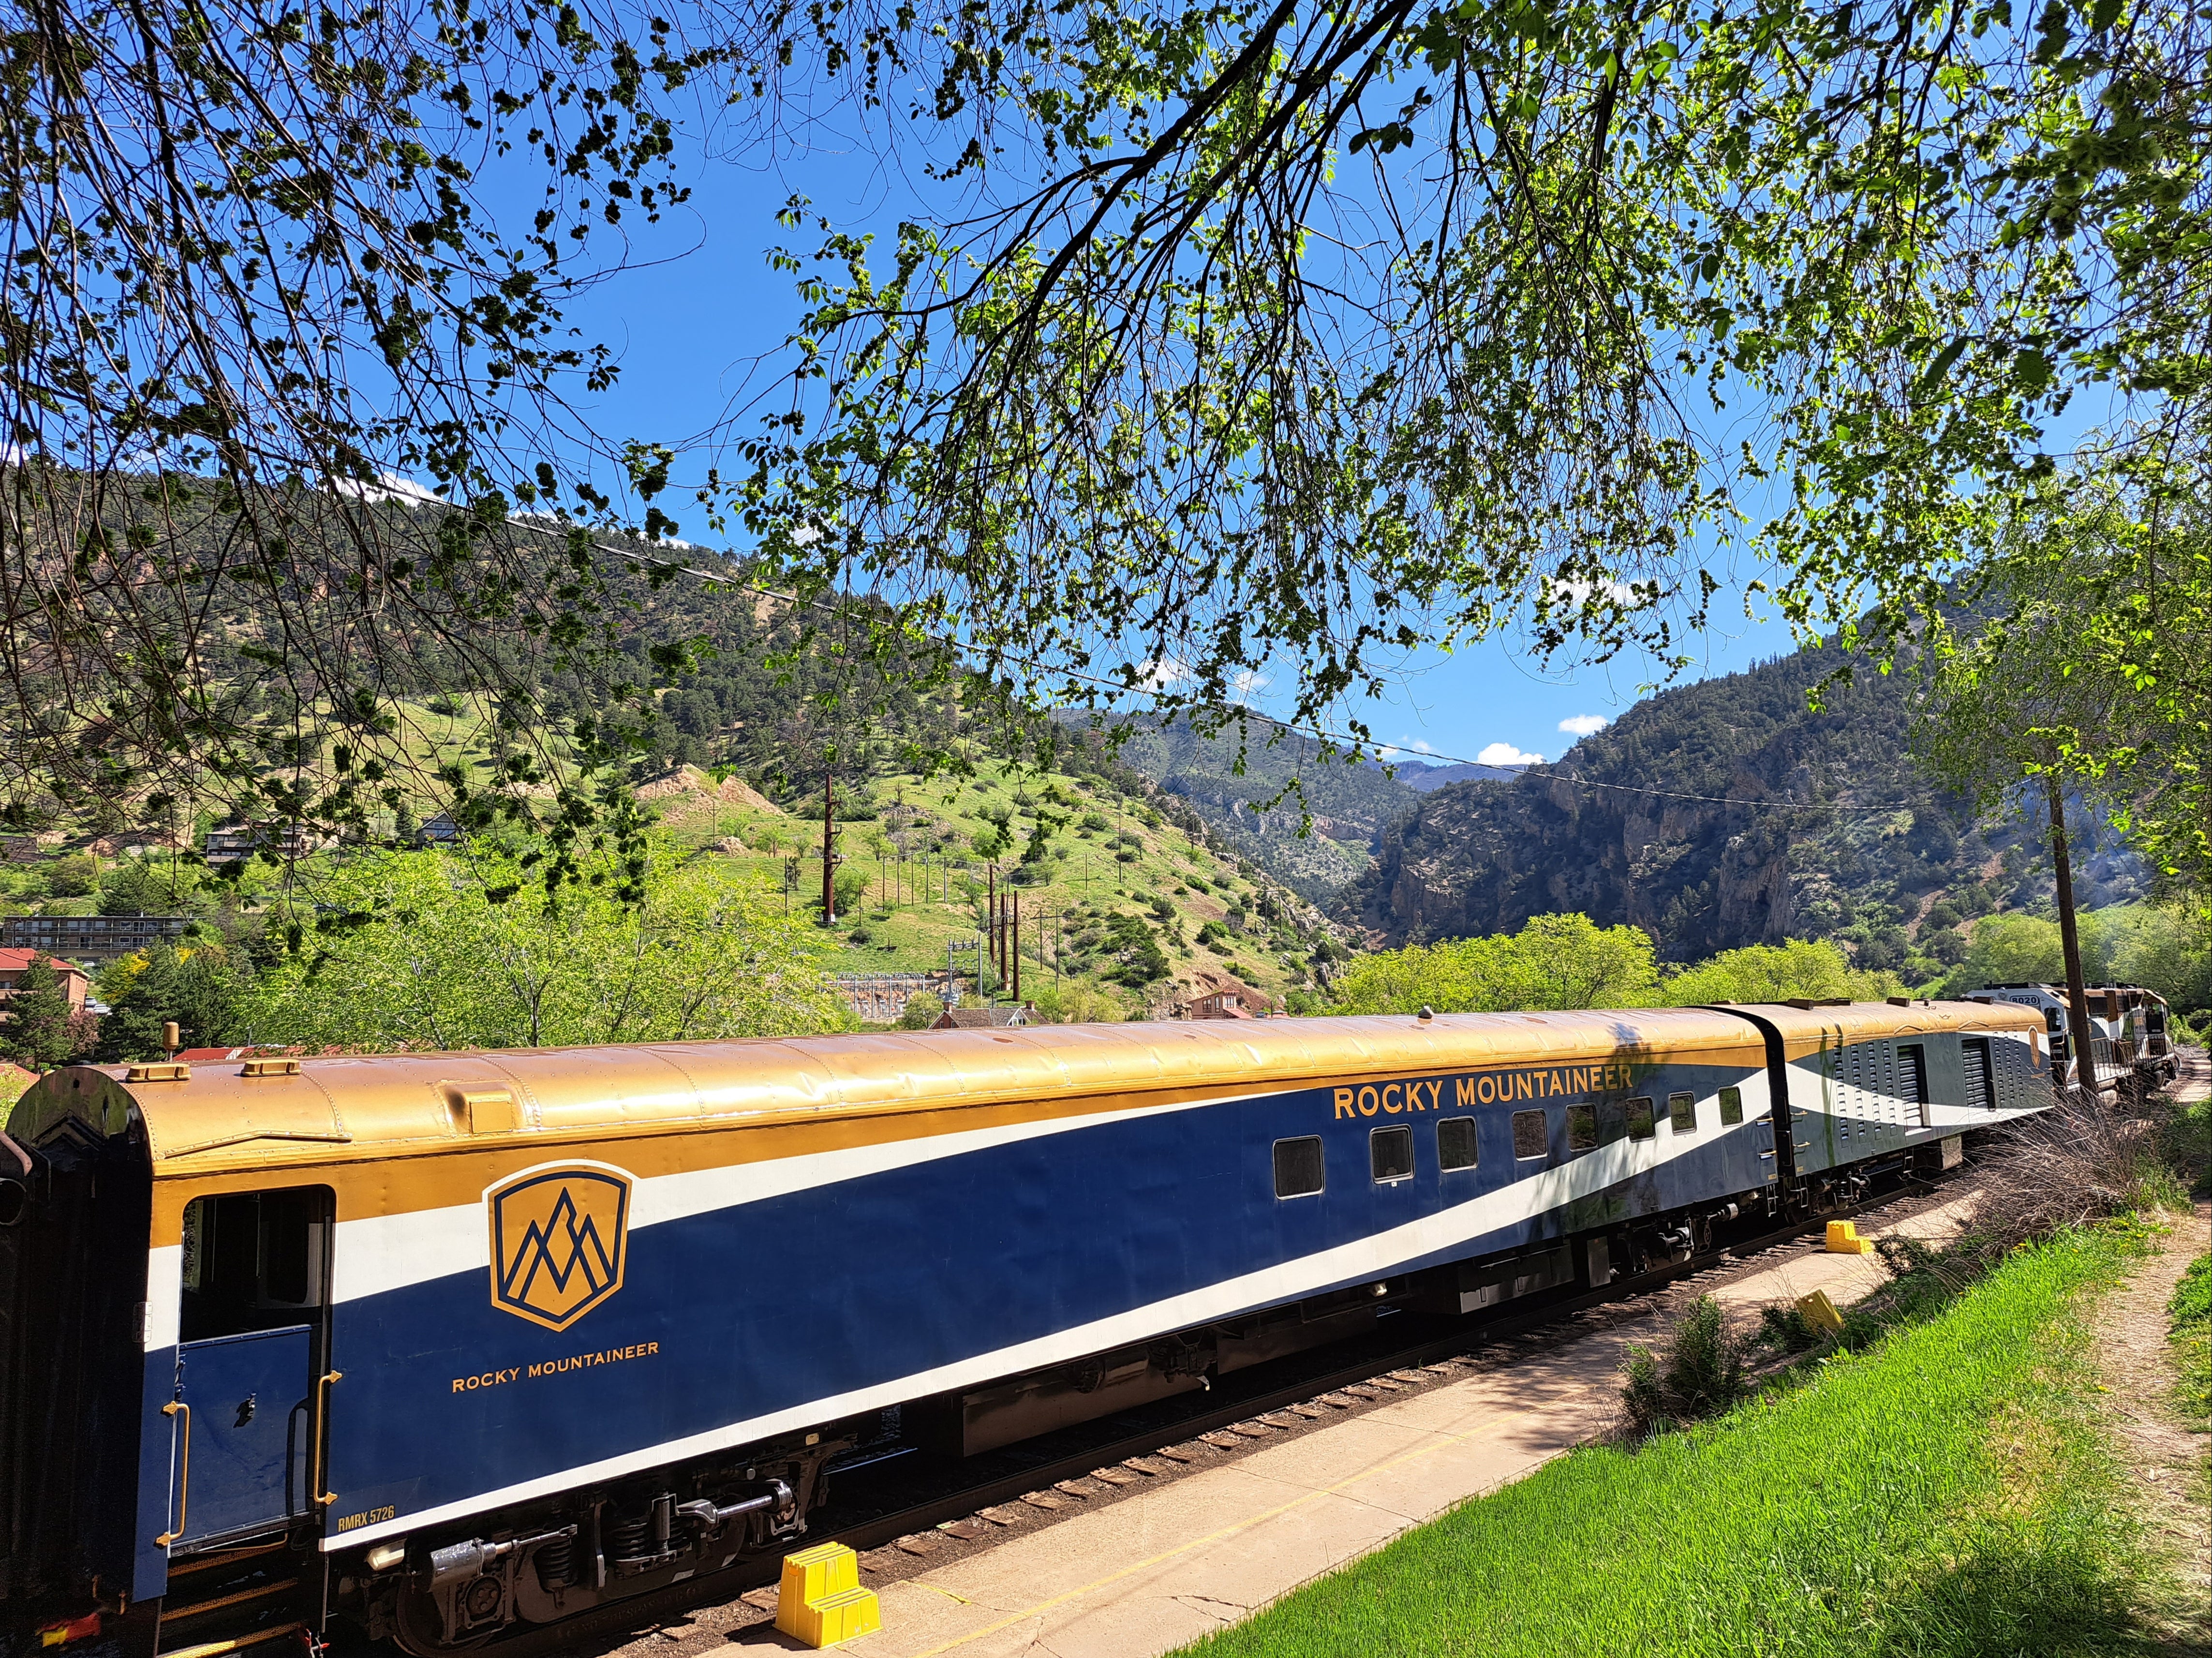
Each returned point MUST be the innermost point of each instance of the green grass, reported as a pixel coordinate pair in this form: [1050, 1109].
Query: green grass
[1949, 1492]
[2191, 1312]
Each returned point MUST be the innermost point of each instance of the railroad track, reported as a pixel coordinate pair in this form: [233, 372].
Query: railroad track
[879, 1499]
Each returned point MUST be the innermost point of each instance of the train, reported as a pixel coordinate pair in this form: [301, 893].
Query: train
[441, 1349]
[2131, 1032]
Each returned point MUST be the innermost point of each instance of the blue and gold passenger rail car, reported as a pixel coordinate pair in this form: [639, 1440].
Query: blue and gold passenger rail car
[487, 1339]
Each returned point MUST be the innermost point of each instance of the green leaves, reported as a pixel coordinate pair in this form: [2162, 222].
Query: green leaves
[1931, 378]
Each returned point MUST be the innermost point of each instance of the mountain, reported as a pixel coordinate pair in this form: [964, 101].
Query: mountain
[1728, 812]
[1424, 778]
[1254, 783]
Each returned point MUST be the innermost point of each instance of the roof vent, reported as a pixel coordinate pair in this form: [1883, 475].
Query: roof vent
[1427, 1013]
[482, 1110]
[270, 1068]
[168, 1072]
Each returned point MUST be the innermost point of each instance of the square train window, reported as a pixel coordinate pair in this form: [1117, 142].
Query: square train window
[1581, 1128]
[1640, 1124]
[1682, 1112]
[1731, 1107]
[1530, 1138]
[1390, 1153]
[1455, 1143]
[1297, 1167]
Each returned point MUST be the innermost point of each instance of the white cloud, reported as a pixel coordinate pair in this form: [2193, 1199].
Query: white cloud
[1248, 682]
[1584, 724]
[1414, 745]
[1504, 754]
[1156, 674]
[1579, 593]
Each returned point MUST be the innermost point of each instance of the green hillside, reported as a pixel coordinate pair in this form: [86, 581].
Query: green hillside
[1124, 911]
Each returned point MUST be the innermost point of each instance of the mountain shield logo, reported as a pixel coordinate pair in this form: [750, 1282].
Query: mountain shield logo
[558, 1241]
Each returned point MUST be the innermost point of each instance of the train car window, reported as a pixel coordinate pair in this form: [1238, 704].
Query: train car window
[1530, 1138]
[1731, 1107]
[1640, 1124]
[1297, 1167]
[1682, 1113]
[1455, 1143]
[1390, 1154]
[1981, 1075]
[1912, 1062]
[253, 1261]
[1581, 1128]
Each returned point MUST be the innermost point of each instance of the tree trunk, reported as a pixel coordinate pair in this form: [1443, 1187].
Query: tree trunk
[828, 869]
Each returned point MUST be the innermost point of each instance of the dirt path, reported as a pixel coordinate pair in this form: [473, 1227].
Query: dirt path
[2167, 1461]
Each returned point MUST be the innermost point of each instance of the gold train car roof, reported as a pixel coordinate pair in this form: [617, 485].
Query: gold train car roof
[231, 1115]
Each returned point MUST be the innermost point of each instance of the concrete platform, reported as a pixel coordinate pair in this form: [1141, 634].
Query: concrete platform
[1148, 1575]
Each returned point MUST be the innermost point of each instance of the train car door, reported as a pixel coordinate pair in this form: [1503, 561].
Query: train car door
[253, 1334]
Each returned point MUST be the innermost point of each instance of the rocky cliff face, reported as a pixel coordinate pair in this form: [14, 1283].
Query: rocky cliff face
[1717, 815]
[1269, 794]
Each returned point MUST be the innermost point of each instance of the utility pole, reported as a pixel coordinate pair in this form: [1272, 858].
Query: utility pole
[829, 883]
[1014, 922]
[2077, 994]
[990, 921]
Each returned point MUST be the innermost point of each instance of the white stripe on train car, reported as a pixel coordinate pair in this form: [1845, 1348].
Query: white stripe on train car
[1376, 1256]
[380, 1253]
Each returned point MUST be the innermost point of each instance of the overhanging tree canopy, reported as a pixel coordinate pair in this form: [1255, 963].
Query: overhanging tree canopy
[1237, 335]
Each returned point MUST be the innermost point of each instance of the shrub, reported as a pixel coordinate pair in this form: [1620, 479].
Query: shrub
[2072, 1163]
[1700, 1370]
[851, 885]
[1787, 1328]
[922, 1012]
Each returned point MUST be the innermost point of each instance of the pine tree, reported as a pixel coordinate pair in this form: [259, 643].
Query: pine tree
[37, 1023]
[132, 1028]
[199, 987]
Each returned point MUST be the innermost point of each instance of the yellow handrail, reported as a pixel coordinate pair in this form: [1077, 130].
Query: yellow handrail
[322, 1498]
[185, 1484]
